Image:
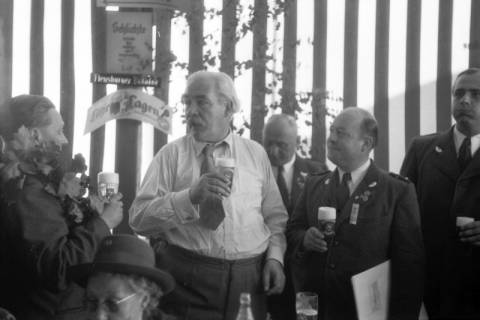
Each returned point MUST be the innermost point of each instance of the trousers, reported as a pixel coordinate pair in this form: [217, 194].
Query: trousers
[209, 288]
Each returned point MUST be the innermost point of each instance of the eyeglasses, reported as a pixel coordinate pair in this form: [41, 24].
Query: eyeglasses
[112, 305]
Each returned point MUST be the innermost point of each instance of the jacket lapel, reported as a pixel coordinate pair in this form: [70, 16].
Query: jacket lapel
[444, 156]
[364, 192]
[473, 167]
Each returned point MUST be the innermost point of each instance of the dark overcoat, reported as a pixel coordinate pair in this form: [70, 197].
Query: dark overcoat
[452, 268]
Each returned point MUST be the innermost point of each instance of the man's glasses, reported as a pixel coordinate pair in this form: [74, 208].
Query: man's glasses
[111, 305]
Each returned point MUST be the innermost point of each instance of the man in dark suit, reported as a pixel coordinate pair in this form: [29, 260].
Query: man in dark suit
[377, 219]
[280, 138]
[445, 168]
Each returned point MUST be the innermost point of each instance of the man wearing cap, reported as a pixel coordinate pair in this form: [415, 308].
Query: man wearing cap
[377, 219]
[122, 281]
[218, 236]
[280, 137]
[445, 168]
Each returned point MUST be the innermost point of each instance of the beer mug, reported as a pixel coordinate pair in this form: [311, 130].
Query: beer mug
[107, 183]
[326, 221]
[226, 167]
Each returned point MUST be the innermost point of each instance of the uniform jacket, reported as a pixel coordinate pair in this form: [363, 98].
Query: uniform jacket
[36, 249]
[301, 168]
[453, 268]
[387, 227]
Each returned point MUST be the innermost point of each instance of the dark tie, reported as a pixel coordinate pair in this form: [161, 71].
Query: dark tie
[343, 192]
[464, 154]
[211, 210]
[282, 186]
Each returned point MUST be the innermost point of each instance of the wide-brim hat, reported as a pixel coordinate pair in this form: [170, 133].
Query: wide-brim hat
[125, 254]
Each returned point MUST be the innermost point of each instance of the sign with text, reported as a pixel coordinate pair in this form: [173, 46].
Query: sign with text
[129, 104]
[182, 5]
[129, 42]
[130, 80]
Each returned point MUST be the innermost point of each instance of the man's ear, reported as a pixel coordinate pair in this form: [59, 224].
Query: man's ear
[367, 143]
[229, 109]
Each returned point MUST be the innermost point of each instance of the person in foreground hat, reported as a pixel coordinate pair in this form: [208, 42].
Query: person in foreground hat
[377, 219]
[122, 282]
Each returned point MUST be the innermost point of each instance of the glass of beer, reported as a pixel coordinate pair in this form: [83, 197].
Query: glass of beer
[107, 184]
[461, 221]
[326, 221]
[306, 305]
[226, 166]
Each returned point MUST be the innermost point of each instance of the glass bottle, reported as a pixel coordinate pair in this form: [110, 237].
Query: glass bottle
[245, 310]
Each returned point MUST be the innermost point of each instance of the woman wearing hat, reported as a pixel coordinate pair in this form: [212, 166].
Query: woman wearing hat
[45, 224]
[122, 282]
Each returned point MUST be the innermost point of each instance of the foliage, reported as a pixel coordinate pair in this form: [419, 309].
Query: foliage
[302, 102]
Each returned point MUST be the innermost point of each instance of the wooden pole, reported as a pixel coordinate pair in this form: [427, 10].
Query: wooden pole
[36, 47]
[380, 106]
[289, 101]
[195, 21]
[474, 56]
[444, 65]
[351, 54]
[6, 40]
[163, 63]
[259, 110]
[97, 137]
[229, 28]
[67, 77]
[412, 72]
[319, 81]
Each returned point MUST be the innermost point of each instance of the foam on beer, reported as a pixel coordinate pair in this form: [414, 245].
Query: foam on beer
[327, 213]
[225, 162]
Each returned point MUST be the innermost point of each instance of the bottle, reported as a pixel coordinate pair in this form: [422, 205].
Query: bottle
[245, 310]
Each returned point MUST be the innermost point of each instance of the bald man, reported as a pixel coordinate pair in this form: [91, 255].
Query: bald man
[280, 140]
[377, 220]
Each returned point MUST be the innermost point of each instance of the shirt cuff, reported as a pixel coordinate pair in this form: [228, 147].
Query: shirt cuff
[184, 209]
[275, 253]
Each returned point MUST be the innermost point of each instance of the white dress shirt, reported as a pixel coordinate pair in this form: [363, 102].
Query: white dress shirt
[357, 175]
[458, 139]
[255, 217]
[287, 174]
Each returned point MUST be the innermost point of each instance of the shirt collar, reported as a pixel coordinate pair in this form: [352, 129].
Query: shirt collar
[199, 145]
[357, 174]
[288, 166]
[458, 139]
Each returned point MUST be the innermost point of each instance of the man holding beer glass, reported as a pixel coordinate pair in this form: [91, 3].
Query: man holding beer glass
[212, 200]
[352, 219]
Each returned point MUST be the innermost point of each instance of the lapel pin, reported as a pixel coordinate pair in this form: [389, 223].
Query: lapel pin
[373, 184]
[438, 149]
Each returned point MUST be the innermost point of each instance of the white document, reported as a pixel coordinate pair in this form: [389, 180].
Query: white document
[371, 289]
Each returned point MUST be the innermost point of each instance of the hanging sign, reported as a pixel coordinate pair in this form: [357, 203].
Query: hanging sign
[182, 5]
[130, 80]
[129, 104]
[129, 42]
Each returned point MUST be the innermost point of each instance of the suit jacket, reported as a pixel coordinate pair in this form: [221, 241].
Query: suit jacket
[301, 168]
[387, 227]
[453, 268]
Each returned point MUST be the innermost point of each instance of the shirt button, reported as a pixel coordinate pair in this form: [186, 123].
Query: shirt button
[332, 265]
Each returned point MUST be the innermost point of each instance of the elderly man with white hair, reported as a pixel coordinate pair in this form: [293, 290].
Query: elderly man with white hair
[217, 235]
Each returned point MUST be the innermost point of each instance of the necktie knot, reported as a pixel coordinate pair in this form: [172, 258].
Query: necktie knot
[346, 178]
[208, 164]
